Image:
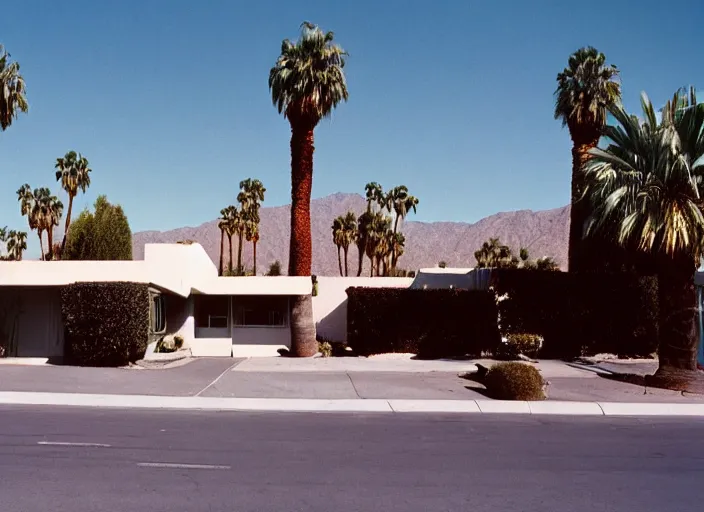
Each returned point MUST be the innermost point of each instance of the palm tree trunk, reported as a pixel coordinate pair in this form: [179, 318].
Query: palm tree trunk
[240, 270]
[229, 265]
[303, 342]
[222, 251]
[68, 222]
[678, 315]
[41, 244]
[254, 256]
[371, 266]
[582, 144]
[393, 249]
[360, 256]
[339, 260]
[346, 249]
[50, 240]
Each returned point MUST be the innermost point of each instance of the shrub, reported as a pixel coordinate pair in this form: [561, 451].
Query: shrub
[430, 323]
[580, 314]
[106, 324]
[325, 349]
[516, 344]
[178, 341]
[514, 381]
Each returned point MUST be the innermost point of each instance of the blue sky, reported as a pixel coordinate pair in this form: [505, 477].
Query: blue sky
[168, 99]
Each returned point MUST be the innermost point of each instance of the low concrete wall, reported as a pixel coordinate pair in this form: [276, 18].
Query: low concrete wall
[211, 347]
[259, 341]
[330, 305]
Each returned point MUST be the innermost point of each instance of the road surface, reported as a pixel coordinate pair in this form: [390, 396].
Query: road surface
[79, 460]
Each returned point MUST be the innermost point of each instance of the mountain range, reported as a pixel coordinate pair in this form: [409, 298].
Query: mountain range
[543, 233]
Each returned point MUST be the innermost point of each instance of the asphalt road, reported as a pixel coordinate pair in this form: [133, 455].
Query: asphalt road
[77, 460]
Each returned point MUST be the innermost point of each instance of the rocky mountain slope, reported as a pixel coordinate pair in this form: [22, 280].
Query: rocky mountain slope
[544, 233]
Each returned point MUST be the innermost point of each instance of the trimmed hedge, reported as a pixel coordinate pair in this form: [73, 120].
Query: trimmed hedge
[106, 324]
[430, 323]
[580, 314]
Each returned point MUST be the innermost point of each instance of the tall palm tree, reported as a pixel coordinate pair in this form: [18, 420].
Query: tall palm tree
[12, 90]
[338, 237]
[223, 223]
[16, 244]
[250, 198]
[645, 191]
[73, 172]
[306, 83]
[586, 89]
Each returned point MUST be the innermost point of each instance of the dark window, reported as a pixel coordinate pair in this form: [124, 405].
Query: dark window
[211, 311]
[262, 311]
[158, 314]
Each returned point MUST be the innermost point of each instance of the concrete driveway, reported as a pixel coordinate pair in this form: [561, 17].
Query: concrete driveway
[186, 380]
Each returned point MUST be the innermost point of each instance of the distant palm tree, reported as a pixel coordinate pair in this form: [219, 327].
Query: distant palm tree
[52, 209]
[30, 207]
[586, 89]
[252, 235]
[338, 237]
[16, 244]
[401, 203]
[12, 90]
[645, 191]
[306, 83]
[375, 196]
[250, 198]
[349, 223]
[73, 172]
[363, 237]
[546, 263]
[223, 224]
[231, 223]
[493, 254]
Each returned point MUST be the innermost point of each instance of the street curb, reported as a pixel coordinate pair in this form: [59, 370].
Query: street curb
[353, 405]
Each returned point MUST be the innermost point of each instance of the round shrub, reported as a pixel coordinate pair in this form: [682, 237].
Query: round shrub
[514, 381]
[325, 348]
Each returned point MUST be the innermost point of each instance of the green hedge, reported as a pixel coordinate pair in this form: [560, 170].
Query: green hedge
[106, 324]
[430, 323]
[580, 314]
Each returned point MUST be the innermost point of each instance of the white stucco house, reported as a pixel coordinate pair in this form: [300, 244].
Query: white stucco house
[216, 316]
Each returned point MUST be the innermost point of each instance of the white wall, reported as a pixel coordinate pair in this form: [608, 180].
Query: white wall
[330, 305]
[179, 316]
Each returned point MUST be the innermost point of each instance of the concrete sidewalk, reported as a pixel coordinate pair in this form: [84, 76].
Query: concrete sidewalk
[356, 383]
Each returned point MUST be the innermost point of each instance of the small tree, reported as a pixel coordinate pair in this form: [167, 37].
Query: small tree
[442, 264]
[274, 269]
[103, 235]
